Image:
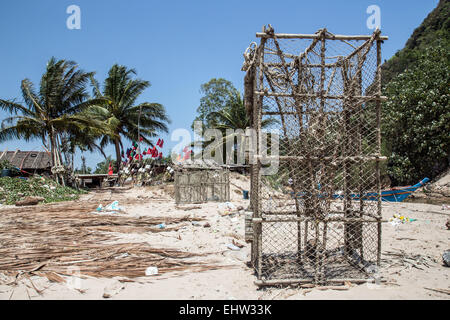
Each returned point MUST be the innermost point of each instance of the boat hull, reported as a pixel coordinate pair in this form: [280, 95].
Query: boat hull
[392, 195]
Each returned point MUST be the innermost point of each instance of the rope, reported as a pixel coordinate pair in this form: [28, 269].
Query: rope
[249, 56]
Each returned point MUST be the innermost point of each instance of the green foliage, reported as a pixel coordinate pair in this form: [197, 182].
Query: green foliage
[15, 189]
[435, 27]
[415, 134]
[416, 118]
[51, 110]
[217, 94]
[277, 181]
[223, 108]
[5, 164]
[103, 166]
[88, 170]
[122, 115]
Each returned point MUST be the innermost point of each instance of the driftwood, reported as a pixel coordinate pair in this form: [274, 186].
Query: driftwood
[188, 208]
[444, 291]
[29, 201]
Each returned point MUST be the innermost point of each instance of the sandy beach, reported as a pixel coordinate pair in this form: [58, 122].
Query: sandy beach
[411, 268]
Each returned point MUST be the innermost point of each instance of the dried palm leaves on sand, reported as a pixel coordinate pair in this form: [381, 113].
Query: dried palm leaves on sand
[53, 239]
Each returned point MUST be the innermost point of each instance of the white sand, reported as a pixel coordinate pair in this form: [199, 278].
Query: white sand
[427, 236]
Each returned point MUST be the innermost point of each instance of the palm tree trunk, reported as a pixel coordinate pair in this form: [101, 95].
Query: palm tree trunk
[73, 162]
[118, 155]
[53, 152]
[100, 149]
[53, 149]
[55, 156]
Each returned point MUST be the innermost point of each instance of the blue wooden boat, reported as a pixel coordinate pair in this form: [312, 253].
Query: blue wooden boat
[397, 194]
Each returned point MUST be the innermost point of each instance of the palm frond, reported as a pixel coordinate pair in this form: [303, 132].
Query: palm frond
[14, 108]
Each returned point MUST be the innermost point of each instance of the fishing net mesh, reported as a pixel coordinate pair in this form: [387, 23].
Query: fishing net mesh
[317, 211]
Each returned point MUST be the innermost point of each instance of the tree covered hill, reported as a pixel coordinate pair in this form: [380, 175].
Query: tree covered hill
[416, 117]
[435, 27]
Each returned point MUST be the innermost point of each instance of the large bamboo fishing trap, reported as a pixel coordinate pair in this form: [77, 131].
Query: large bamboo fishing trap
[318, 219]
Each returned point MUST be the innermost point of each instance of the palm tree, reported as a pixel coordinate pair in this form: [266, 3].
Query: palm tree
[52, 110]
[121, 115]
[81, 140]
[234, 117]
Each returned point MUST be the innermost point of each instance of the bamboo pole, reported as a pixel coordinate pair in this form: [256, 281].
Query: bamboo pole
[304, 65]
[265, 92]
[250, 88]
[324, 242]
[316, 36]
[345, 152]
[311, 219]
[378, 129]
[321, 133]
[299, 108]
[361, 163]
[376, 158]
[291, 213]
[262, 283]
[257, 123]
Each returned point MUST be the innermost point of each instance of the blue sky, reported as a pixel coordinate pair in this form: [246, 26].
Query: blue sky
[176, 45]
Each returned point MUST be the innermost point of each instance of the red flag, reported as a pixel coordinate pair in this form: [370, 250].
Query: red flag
[187, 155]
[154, 152]
[110, 170]
[160, 155]
[141, 139]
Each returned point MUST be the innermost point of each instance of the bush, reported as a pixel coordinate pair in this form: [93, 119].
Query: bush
[5, 164]
[416, 118]
[14, 189]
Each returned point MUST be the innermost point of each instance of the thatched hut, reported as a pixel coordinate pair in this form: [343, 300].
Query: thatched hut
[29, 162]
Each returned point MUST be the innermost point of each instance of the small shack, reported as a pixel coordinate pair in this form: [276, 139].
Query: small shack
[29, 162]
[95, 180]
[199, 181]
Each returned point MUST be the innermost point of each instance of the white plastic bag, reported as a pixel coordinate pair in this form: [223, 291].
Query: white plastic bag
[151, 271]
[114, 206]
